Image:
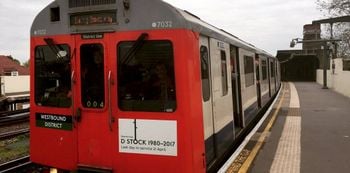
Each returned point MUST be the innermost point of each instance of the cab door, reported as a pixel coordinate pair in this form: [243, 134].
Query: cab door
[92, 103]
[207, 100]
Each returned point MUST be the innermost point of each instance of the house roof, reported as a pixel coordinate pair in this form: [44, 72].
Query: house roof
[7, 64]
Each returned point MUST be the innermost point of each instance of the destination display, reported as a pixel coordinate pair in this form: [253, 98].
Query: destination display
[53, 121]
[95, 18]
[92, 36]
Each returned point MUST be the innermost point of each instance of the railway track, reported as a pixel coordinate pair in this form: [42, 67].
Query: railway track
[8, 113]
[17, 165]
[14, 117]
[11, 134]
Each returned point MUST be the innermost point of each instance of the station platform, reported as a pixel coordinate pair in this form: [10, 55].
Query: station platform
[306, 131]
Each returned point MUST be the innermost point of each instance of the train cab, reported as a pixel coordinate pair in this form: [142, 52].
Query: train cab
[139, 86]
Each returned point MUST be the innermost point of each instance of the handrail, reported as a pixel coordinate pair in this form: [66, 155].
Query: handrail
[110, 116]
[72, 96]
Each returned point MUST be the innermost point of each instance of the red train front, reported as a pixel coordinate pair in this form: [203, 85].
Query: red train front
[139, 86]
[104, 92]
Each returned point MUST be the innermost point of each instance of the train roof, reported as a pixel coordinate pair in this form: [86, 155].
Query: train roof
[86, 16]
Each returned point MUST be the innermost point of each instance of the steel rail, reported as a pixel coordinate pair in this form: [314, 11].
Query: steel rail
[15, 165]
[11, 134]
[14, 119]
[8, 113]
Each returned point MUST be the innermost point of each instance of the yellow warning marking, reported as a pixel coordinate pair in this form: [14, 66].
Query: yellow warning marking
[254, 152]
[287, 155]
[238, 162]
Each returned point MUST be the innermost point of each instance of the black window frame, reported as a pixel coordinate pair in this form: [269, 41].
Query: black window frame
[55, 96]
[224, 80]
[144, 103]
[272, 65]
[205, 73]
[264, 69]
[93, 93]
[249, 70]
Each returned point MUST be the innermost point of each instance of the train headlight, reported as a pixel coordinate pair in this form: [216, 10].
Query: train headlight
[53, 170]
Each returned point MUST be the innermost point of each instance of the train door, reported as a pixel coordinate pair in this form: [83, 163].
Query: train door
[269, 75]
[53, 135]
[91, 108]
[222, 108]
[207, 100]
[258, 85]
[276, 75]
[236, 94]
[272, 77]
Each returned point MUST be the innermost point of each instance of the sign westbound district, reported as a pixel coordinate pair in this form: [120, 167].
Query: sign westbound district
[54, 121]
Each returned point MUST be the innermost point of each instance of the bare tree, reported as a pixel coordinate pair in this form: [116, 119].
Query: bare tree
[337, 8]
[15, 60]
[334, 8]
[26, 64]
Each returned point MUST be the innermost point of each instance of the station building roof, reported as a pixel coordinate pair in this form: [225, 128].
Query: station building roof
[8, 65]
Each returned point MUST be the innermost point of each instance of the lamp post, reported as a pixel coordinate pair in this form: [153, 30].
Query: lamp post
[325, 58]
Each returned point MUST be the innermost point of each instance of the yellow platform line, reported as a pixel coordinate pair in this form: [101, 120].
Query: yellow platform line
[247, 163]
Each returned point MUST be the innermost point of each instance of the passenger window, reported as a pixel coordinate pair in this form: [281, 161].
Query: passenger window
[257, 70]
[224, 73]
[272, 69]
[205, 73]
[146, 76]
[233, 54]
[52, 76]
[92, 76]
[264, 69]
[249, 70]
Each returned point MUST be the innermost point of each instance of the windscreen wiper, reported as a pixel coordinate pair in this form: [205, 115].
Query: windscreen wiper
[56, 49]
[135, 47]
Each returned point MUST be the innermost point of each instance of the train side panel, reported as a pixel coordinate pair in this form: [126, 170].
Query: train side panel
[248, 84]
[264, 82]
[278, 70]
[272, 75]
[218, 108]
[190, 135]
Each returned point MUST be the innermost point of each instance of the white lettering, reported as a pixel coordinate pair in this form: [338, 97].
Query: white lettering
[53, 125]
[162, 24]
[54, 117]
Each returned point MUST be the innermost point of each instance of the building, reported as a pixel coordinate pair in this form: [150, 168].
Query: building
[301, 65]
[15, 82]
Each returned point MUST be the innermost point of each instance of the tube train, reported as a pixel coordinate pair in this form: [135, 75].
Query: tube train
[140, 86]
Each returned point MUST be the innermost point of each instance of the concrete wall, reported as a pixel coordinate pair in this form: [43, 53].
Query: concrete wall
[337, 80]
[14, 85]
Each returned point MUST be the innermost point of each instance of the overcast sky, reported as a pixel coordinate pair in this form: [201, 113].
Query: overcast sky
[268, 24]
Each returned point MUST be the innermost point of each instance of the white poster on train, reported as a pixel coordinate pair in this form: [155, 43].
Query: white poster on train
[155, 137]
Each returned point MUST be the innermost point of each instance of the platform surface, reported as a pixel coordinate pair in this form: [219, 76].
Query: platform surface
[307, 131]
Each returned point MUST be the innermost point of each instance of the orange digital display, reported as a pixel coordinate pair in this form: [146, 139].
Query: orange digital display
[97, 18]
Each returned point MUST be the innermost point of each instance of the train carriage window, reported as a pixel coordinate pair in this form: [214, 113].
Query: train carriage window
[249, 70]
[146, 77]
[52, 76]
[55, 14]
[264, 69]
[224, 73]
[205, 73]
[272, 69]
[233, 54]
[92, 76]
